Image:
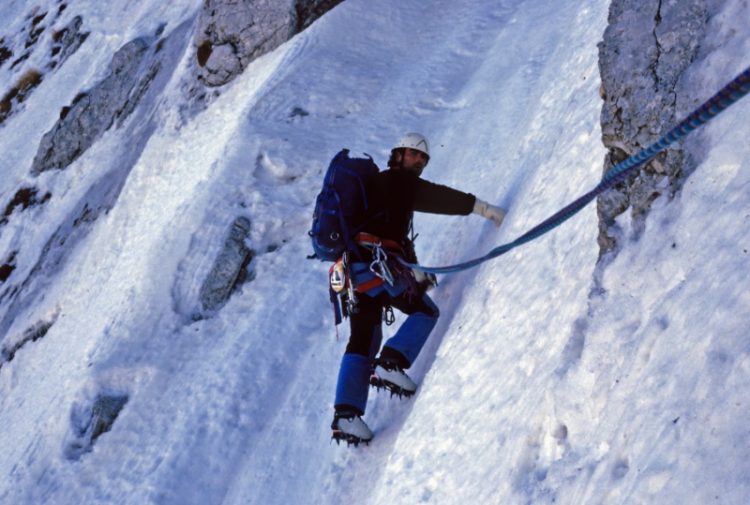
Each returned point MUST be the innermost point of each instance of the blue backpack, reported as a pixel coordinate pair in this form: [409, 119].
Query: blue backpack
[341, 209]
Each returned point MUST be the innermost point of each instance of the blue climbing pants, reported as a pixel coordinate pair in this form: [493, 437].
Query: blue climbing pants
[367, 335]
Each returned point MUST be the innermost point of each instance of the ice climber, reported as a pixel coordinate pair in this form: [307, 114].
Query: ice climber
[379, 282]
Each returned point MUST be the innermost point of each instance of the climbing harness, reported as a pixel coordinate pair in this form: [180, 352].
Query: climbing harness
[728, 95]
[347, 278]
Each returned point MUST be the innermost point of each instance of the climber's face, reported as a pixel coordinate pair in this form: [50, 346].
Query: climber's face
[414, 161]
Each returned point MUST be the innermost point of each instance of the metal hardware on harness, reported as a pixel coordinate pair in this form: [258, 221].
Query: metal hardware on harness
[351, 295]
[338, 277]
[388, 316]
[379, 265]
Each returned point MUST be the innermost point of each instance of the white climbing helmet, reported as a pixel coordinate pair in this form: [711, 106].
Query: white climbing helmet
[415, 141]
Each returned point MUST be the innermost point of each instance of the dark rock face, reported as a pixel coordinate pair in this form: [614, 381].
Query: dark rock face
[24, 198]
[232, 33]
[646, 49]
[307, 11]
[5, 53]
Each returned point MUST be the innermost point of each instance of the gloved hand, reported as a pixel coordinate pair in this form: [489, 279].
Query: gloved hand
[425, 281]
[484, 209]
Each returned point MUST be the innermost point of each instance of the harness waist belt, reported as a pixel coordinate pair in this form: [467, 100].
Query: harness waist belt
[370, 240]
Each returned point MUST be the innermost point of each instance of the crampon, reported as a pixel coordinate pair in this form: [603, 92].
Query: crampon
[394, 389]
[350, 428]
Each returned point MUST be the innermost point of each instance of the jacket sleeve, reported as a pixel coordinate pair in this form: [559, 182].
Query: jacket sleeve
[438, 199]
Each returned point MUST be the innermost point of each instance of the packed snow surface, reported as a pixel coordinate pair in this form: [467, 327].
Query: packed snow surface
[547, 379]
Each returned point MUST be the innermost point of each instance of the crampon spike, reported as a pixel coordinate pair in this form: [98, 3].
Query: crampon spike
[350, 440]
[394, 389]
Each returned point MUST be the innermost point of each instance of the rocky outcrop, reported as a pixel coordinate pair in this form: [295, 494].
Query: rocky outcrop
[92, 113]
[232, 33]
[24, 198]
[16, 95]
[139, 73]
[230, 267]
[5, 53]
[36, 332]
[307, 11]
[64, 43]
[218, 263]
[7, 266]
[90, 421]
[646, 49]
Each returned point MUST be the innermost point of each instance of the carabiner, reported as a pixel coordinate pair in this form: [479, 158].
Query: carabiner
[379, 265]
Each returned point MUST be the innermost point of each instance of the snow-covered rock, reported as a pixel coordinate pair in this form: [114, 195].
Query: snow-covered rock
[646, 49]
[232, 33]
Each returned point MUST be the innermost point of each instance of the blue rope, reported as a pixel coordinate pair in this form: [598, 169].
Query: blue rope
[727, 96]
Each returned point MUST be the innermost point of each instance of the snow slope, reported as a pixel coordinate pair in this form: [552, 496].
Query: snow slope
[547, 380]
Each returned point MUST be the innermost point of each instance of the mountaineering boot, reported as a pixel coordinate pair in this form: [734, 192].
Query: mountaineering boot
[350, 427]
[389, 375]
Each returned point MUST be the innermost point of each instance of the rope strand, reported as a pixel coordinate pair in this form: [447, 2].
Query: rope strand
[727, 96]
